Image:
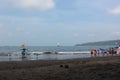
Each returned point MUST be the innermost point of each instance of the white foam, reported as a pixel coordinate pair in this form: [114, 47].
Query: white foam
[43, 52]
[72, 52]
[36, 52]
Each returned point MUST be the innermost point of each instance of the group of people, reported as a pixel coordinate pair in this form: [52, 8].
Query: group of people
[109, 51]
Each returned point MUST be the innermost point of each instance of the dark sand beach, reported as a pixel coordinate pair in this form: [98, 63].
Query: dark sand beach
[95, 68]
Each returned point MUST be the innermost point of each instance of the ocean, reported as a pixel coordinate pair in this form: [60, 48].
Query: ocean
[13, 53]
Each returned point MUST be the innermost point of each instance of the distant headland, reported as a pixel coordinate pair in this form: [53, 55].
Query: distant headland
[100, 43]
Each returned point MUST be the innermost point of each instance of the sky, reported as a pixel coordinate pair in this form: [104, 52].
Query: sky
[67, 22]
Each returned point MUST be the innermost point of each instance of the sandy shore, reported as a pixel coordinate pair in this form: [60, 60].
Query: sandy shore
[102, 68]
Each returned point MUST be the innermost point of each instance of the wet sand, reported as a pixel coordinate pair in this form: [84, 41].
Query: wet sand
[95, 68]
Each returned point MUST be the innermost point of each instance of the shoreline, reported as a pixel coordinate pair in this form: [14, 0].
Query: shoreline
[51, 57]
[94, 68]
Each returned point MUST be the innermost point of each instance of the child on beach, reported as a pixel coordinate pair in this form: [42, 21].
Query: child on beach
[23, 51]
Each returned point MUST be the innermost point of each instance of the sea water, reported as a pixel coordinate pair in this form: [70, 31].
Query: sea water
[6, 52]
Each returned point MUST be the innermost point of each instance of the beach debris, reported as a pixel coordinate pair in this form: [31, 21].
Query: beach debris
[64, 66]
[61, 65]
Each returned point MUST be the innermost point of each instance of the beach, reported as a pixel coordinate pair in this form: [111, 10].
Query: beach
[94, 68]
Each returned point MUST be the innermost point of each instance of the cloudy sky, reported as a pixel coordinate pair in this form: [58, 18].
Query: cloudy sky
[48, 22]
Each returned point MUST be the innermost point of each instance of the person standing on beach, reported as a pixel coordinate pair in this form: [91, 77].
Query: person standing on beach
[118, 50]
[23, 51]
[93, 52]
[98, 52]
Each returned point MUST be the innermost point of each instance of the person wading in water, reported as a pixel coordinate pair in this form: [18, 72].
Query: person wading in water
[23, 51]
